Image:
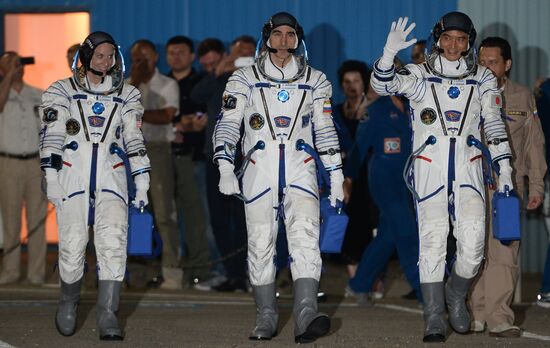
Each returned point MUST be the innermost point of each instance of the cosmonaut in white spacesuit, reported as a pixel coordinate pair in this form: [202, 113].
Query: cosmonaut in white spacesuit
[451, 98]
[83, 116]
[282, 102]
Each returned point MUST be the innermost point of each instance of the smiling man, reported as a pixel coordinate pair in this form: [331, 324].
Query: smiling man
[452, 98]
[492, 294]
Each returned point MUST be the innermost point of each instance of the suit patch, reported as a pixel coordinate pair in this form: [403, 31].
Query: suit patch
[50, 115]
[230, 149]
[305, 120]
[282, 121]
[453, 92]
[392, 145]
[496, 100]
[453, 115]
[256, 121]
[98, 108]
[96, 121]
[327, 107]
[72, 127]
[427, 116]
[283, 96]
[229, 102]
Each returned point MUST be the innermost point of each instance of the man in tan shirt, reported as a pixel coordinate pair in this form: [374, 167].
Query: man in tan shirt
[20, 174]
[493, 291]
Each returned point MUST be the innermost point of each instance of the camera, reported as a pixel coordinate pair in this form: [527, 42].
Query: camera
[26, 60]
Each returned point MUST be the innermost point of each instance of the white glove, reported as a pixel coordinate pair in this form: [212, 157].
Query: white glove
[397, 40]
[142, 186]
[229, 184]
[505, 176]
[54, 191]
[336, 187]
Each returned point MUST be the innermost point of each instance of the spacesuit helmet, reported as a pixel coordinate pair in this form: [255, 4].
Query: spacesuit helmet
[263, 47]
[85, 53]
[452, 21]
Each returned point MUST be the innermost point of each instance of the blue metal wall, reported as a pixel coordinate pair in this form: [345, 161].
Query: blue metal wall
[335, 30]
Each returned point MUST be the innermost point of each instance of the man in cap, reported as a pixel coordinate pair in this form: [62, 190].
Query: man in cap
[83, 118]
[285, 104]
[451, 98]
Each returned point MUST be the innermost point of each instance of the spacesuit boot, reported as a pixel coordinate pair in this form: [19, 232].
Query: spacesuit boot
[310, 324]
[65, 317]
[456, 291]
[267, 315]
[107, 306]
[435, 326]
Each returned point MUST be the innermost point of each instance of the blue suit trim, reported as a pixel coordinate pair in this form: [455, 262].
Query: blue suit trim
[305, 190]
[431, 194]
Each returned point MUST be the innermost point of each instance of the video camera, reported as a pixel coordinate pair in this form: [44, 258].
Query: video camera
[26, 60]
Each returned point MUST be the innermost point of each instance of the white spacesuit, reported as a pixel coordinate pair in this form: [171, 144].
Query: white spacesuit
[280, 105]
[85, 181]
[451, 98]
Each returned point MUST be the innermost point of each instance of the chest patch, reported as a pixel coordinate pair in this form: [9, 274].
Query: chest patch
[453, 115]
[96, 121]
[282, 121]
[98, 108]
[427, 116]
[392, 145]
[453, 92]
[72, 126]
[256, 121]
[283, 96]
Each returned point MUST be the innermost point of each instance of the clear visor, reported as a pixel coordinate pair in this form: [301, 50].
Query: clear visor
[262, 59]
[116, 73]
[433, 52]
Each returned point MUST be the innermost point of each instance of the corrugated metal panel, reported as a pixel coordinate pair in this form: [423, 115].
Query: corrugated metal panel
[335, 30]
[526, 26]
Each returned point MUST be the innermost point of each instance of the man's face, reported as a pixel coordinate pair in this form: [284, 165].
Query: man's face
[491, 58]
[352, 84]
[453, 43]
[143, 54]
[210, 61]
[103, 58]
[282, 38]
[417, 53]
[179, 57]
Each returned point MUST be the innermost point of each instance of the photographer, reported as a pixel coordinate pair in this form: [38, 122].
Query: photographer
[20, 175]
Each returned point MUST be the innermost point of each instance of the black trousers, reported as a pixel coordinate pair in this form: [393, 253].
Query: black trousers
[228, 224]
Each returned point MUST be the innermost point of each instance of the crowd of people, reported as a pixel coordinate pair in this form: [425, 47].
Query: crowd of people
[220, 157]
